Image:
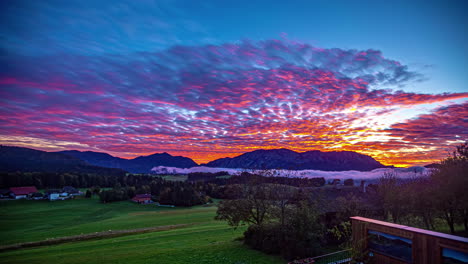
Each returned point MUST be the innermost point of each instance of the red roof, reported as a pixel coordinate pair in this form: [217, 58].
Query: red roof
[142, 196]
[23, 190]
[140, 199]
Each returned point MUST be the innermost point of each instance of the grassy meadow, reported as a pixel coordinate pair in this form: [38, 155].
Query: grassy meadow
[202, 240]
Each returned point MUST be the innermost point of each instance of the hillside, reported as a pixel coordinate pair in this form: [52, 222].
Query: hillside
[30, 160]
[142, 164]
[199, 238]
[310, 160]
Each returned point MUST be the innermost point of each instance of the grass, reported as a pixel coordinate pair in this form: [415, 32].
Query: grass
[224, 177]
[175, 177]
[204, 240]
[25, 221]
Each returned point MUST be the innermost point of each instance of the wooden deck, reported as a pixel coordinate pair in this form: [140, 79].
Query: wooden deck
[426, 245]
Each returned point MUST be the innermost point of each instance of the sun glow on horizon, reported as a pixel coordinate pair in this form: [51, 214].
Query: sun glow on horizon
[302, 98]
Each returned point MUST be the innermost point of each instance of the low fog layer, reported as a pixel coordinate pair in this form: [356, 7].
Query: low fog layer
[403, 173]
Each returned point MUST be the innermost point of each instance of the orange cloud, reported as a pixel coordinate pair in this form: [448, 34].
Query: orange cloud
[208, 102]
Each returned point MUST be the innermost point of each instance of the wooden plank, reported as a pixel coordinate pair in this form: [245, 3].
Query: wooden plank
[411, 229]
[382, 259]
[426, 245]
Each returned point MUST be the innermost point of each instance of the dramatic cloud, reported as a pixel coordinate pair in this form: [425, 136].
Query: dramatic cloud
[207, 102]
[444, 124]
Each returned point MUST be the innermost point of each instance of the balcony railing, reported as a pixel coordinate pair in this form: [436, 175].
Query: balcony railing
[339, 257]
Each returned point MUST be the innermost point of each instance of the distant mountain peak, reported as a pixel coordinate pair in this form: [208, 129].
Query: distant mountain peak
[141, 164]
[288, 159]
[31, 160]
[281, 158]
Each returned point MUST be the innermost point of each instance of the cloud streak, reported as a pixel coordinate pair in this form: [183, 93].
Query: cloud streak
[213, 101]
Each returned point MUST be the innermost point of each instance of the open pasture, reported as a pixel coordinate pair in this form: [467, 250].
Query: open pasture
[202, 240]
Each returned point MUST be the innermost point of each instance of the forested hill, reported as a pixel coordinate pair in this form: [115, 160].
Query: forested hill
[291, 160]
[142, 164]
[14, 159]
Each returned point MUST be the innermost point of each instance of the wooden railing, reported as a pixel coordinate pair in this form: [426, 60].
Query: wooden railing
[389, 243]
[339, 257]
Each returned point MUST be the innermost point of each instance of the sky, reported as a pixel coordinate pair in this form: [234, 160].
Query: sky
[213, 79]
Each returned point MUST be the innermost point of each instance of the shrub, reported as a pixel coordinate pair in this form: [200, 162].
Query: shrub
[349, 182]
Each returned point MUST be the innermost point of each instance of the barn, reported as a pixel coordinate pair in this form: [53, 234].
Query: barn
[142, 199]
[22, 192]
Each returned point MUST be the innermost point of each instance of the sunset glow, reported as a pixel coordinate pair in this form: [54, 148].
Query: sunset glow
[213, 100]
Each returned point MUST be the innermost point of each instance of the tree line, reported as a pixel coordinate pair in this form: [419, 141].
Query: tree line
[124, 187]
[165, 192]
[297, 222]
[280, 219]
[424, 201]
[267, 176]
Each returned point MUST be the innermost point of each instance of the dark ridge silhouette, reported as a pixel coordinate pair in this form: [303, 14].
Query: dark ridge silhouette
[291, 160]
[142, 164]
[14, 159]
[25, 159]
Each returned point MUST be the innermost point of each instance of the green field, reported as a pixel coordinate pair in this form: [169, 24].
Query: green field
[171, 177]
[203, 240]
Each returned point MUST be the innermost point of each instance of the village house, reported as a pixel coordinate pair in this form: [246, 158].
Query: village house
[36, 196]
[71, 191]
[5, 193]
[53, 194]
[142, 199]
[22, 192]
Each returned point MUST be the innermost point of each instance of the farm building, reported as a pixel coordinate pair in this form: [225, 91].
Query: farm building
[142, 198]
[22, 192]
[36, 196]
[67, 192]
[72, 191]
[53, 194]
[5, 193]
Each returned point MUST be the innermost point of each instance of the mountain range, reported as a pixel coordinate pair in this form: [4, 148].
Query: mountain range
[24, 159]
[14, 159]
[291, 160]
[142, 164]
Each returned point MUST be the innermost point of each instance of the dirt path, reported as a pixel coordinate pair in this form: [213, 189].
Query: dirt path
[104, 234]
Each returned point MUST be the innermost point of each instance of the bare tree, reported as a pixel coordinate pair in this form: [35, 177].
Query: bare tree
[254, 206]
[451, 178]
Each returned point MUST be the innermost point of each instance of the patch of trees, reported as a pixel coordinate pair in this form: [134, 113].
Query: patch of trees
[298, 236]
[281, 219]
[348, 182]
[297, 222]
[209, 183]
[265, 177]
[124, 186]
[425, 200]
[205, 176]
[57, 180]
[80, 180]
[115, 195]
[182, 196]
[164, 192]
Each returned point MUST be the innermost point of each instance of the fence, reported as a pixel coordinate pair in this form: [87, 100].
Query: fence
[339, 257]
[390, 243]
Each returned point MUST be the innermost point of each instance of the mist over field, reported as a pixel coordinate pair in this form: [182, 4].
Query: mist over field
[373, 175]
